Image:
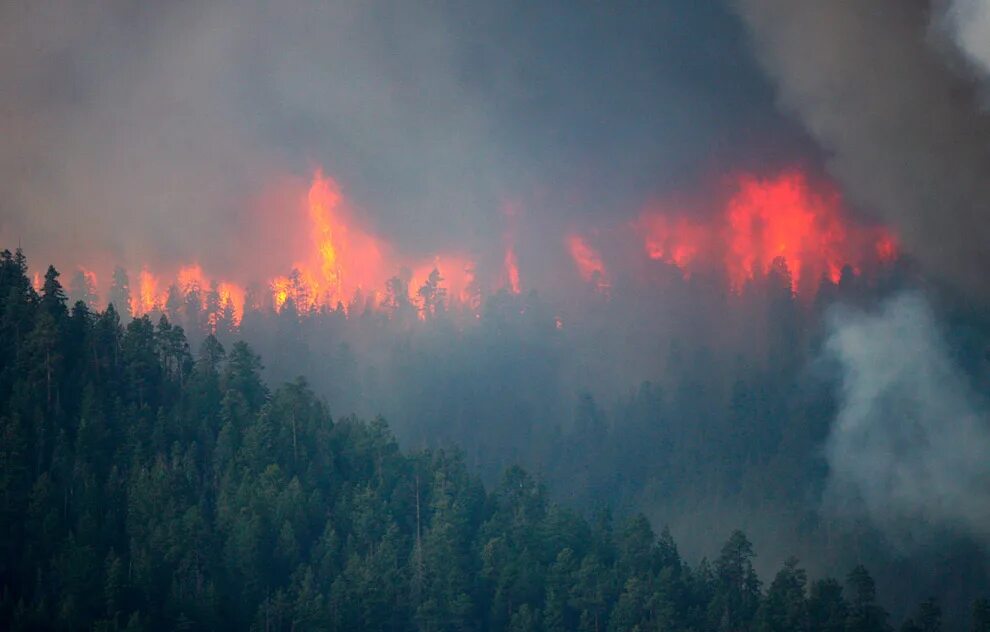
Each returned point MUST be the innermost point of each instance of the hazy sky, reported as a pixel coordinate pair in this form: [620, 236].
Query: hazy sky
[148, 132]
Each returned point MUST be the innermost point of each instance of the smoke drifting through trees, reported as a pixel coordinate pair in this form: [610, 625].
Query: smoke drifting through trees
[159, 136]
[911, 438]
[904, 123]
[143, 489]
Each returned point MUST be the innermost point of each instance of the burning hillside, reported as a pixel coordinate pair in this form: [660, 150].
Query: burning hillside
[765, 219]
[345, 266]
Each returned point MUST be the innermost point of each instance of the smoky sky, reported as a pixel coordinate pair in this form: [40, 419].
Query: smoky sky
[891, 90]
[147, 132]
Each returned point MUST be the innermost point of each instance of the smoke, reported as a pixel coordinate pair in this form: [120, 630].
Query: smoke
[911, 438]
[872, 82]
[969, 21]
[147, 132]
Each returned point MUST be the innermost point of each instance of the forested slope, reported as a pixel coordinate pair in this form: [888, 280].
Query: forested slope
[144, 486]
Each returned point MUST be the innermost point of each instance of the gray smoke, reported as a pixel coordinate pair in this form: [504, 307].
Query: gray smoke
[147, 131]
[911, 440]
[879, 88]
[969, 22]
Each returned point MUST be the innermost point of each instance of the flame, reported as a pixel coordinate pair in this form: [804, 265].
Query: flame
[281, 291]
[147, 297]
[89, 276]
[151, 292]
[345, 259]
[588, 261]
[764, 220]
[338, 261]
[191, 279]
[233, 296]
[324, 197]
[675, 240]
[511, 267]
[886, 247]
[510, 262]
[782, 218]
[456, 277]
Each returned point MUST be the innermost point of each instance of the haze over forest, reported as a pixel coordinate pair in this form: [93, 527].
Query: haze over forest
[536, 316]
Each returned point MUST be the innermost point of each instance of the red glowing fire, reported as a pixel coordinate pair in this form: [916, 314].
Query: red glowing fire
[344, 259]
[340, 264]
[456, 279]
[348, 263]
[763, 220]
[343, 266]
[588, 261]
[189, 286]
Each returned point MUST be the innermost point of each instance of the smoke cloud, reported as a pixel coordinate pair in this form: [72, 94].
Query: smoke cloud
[872, 82]
[911, 438]
[149, 131]
[970, 24]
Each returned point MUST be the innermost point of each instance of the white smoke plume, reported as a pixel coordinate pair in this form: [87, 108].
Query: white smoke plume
[969, 21]
[911, 439]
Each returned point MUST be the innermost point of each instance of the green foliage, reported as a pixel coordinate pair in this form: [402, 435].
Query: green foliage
[143, 490]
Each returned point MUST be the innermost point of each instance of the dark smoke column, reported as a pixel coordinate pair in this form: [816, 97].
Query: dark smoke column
[881, 88]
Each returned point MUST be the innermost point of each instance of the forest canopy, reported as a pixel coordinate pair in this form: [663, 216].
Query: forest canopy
[147, 486]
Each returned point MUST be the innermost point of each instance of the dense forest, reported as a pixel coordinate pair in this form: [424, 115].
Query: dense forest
[147, 487]
[703, 407]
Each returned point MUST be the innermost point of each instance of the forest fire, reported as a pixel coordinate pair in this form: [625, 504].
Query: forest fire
[455, 276]
[189, 290]
[343, 266]
[348, 264]
[512, 270]
[763, 220]
[344, 259]
[588, 261]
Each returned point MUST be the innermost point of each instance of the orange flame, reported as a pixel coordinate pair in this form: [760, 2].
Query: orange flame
[767, 219]
[456, 278]
[146, 296]
[233, 296]
[192, 279]
[588, 261]
[90, 277]
[345, 259]
[673, 240]
[338, 261]
[511, 270]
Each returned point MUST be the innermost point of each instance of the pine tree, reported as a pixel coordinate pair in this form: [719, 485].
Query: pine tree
[120, 293]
